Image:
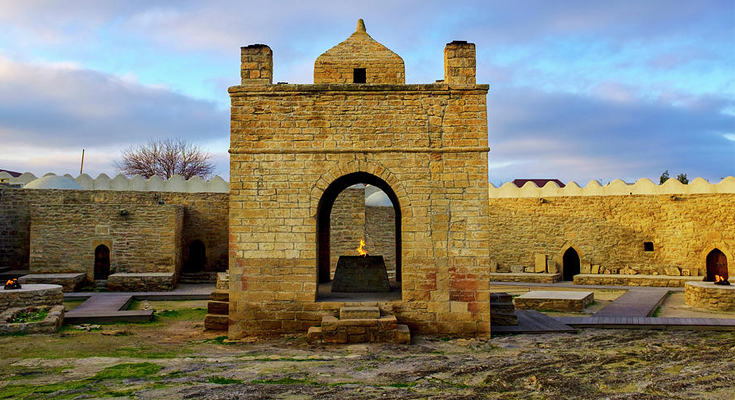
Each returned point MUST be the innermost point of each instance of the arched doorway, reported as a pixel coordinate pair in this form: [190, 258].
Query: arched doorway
[197, 257]
[101, 262]
[324, 211]
[570, 264]
[716, 265]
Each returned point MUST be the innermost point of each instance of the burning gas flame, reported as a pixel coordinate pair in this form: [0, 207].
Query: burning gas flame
[719, 278]
[361, 250]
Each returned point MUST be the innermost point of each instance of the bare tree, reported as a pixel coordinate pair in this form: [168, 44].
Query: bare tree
[165, 158]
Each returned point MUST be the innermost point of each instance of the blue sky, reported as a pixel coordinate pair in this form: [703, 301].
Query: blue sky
[580, 90]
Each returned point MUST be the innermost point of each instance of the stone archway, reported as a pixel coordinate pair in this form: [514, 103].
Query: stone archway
[101, 262]
[716, 265]
[326, 202]
[570, 264]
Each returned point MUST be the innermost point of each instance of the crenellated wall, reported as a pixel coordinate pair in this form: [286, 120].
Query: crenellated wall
[136, 183]
[609, 230]
[204, 218]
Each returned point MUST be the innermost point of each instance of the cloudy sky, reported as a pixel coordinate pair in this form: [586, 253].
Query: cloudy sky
[579, 90]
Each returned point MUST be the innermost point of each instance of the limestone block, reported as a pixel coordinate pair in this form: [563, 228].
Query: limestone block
[595, 269]
[685, 272]
[403, 334]
[673, 271]
[585, 268]
[552, 267]
[359, 313]
[540, 263]
[493, 266]
[529, 270]
[585, 265]
[517, 269]
[314, 334]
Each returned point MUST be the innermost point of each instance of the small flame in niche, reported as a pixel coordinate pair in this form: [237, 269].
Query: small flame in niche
[361, 250]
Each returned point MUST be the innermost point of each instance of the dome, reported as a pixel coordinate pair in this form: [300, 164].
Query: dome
[378, 199]
[53, 182]
[359, 59]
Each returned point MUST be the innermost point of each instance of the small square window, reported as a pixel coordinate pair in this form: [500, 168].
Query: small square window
[359, 76]
[647, 246]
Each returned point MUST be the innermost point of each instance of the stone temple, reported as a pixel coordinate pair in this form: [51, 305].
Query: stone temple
[307, 162]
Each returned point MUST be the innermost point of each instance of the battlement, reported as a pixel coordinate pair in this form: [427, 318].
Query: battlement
[615, 188]
[137, 183]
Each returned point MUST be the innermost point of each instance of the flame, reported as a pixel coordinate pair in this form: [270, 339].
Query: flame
[361, 250]
[719, 278]
[9, 282]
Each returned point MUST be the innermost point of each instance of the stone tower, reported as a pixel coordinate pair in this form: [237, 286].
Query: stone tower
[294, 148]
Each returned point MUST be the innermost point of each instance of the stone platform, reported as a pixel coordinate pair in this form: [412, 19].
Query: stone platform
[357, 274]
[31, 295]
[634, 280]
[359, 325]
[524, 277]
[710, 296]
[554, 300]
[50, 324]
[71, 282]
[141, 282]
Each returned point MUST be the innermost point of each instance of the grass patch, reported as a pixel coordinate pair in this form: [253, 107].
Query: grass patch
[128, 371]
[184, 314]
[217, 340]
[222, 381]
[283, 381]
[657, 312]
[30, 316]
[43, 391]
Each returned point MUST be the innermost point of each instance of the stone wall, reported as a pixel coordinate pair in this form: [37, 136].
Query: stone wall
[608, 232]
[380, 235]
[141, 238]
[289, 143]
[347, 226]
[204, 218]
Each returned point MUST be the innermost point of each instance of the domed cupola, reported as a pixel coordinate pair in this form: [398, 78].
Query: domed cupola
[360, 59]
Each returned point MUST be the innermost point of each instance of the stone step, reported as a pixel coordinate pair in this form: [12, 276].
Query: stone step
[198, 277]
[216, 322]
[500, 298]
[503, 319]
[403, 334]
[359, 313]
[220, 295]
[218, 307]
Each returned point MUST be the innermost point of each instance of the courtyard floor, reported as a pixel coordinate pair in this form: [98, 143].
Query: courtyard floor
[172, 357]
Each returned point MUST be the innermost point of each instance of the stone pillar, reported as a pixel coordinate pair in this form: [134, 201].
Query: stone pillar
[256, 66]
[459, 63]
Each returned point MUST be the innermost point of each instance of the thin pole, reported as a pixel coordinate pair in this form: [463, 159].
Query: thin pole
[82, 167]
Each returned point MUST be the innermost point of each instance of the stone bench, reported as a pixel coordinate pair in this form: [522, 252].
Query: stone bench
[359, 325]
[524, 277]
[71, 282]
[141, 282]
[554, 300]
[635, 280]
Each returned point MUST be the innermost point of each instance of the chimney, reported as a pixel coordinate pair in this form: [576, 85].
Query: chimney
[459, 63]
[256, 66]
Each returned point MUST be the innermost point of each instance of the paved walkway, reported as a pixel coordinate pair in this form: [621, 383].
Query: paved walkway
[111, 306]
[531, 321]
[565, 284]
[635, 303]
[696, 324]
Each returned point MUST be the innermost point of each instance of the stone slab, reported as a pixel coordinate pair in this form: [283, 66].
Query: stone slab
[554, 300]
[141, 282]
[634, 280]
[71, 282]
[357, 274]
[540, 263]
[523, 277]
[359, 313]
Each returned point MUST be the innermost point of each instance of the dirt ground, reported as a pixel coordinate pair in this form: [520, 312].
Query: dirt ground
[173, 357]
